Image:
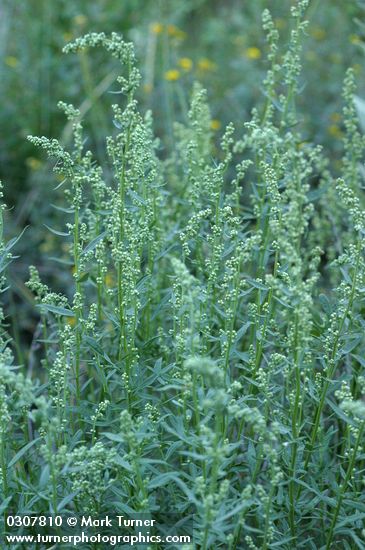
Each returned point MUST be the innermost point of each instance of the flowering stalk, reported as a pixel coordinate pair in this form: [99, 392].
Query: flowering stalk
[358, 409]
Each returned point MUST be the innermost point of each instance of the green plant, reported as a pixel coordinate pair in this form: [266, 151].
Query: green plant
[206, 356]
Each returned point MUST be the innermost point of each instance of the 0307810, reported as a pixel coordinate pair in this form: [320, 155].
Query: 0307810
[30, 521]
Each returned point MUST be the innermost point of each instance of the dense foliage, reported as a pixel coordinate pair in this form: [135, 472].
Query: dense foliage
[202, 352]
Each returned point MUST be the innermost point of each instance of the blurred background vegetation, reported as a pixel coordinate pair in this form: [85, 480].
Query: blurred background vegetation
[218, 42]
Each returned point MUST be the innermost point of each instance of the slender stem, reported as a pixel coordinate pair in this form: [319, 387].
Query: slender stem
[78, 289]
[3, 467]
[344, 485]
[332, 368]
[267, 519]
[294, 431]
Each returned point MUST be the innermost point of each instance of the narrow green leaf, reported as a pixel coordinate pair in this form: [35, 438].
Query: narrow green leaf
[57, 310]
[22, 452]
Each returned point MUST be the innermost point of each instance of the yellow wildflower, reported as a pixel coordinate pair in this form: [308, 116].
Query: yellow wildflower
[180, 35]
[11, 61]
[205, 64]
[109, 280]
[147, 87]
[336, 58]
[156, 28]
[71, 321]
[253, 53]
[174, 31]
[80, 19]
[357, 68]
[215, 124]
[335, 131]
[355, 39]
[280, 23]
[33, 163]
[318, 33]
[336, 117]
[185, 63]
[172, 75]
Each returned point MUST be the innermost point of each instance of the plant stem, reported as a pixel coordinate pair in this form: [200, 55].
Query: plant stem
[343, 487]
